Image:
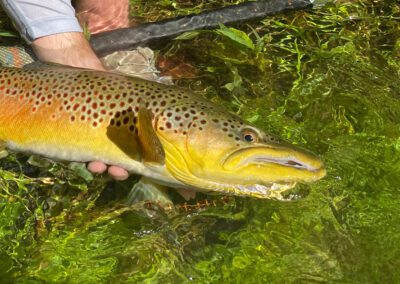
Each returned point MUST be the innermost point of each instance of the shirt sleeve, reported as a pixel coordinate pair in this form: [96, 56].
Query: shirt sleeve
[38, 18]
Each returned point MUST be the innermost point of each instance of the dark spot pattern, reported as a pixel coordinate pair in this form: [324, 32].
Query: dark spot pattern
[106, 99]
[86, 96]
[197, 115]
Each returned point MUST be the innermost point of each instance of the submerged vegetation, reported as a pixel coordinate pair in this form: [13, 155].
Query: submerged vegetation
[328, 79]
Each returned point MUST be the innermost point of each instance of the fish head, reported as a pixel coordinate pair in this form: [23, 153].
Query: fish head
[215, 151]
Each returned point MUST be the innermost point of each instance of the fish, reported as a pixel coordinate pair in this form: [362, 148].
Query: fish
[169, 135]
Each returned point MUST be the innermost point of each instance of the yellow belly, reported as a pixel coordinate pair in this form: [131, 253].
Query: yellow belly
[54, 134]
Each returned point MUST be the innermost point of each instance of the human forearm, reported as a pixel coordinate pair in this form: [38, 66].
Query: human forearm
[53, 31]
[68, 49]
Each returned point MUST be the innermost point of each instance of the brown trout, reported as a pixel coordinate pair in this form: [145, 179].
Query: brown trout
[165, 133]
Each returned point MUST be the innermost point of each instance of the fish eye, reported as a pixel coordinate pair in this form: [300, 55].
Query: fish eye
[249, 135]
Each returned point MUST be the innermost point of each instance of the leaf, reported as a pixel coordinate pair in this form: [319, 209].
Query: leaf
[188, 35]
[81, 170]
[3, 153]
[237, 80]
[7, 34]
[237, 36]
[254, 118]
[38, 161]
[229, 86]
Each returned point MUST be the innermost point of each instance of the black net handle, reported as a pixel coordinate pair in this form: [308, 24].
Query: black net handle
[146, 34]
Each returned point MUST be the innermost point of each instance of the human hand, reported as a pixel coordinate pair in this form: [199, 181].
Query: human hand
[98, 167]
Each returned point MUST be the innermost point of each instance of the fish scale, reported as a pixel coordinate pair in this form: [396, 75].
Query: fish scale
[163, 132]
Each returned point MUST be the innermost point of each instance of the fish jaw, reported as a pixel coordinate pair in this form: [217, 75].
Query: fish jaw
[275, 163]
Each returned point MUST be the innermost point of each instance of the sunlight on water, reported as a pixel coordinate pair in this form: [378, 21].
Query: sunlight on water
[100, 18]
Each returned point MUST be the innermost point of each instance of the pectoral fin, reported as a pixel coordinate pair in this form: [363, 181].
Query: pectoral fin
[146, 190]
[123, 137]
[151, 147]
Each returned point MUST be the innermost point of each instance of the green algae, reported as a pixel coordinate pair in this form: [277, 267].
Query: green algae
[327, 79]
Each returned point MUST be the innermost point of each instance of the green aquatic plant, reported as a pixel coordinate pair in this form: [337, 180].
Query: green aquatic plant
[6, 29]
[150, 11]
[328, 79]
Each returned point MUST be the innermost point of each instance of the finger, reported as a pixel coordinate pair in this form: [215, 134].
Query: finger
[118, 173]
[97, 167]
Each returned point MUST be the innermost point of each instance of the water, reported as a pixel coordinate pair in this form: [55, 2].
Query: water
[107, 16]
[326, 79]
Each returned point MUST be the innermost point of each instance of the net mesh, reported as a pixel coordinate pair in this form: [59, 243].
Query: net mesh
[15, 56]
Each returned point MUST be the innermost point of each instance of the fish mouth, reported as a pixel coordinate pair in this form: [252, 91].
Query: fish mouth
[275, 164]
[265, 191]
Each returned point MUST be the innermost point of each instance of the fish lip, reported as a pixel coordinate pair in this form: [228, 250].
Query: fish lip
[269, 190]
[286, 160]
[258, 190]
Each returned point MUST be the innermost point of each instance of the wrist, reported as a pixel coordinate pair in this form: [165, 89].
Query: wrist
[70, 48]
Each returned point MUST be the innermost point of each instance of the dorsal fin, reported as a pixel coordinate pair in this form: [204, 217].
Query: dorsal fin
[152, 150]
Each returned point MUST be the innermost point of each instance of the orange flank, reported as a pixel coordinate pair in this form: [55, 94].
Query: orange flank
[43, 116]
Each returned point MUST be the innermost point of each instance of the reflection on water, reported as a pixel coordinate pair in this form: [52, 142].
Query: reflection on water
[101, 16]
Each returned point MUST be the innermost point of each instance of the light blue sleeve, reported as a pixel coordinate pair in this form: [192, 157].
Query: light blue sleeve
[38, 18]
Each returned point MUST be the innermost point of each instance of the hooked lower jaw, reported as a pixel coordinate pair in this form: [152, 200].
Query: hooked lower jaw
[297, 158]
[276, 165]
